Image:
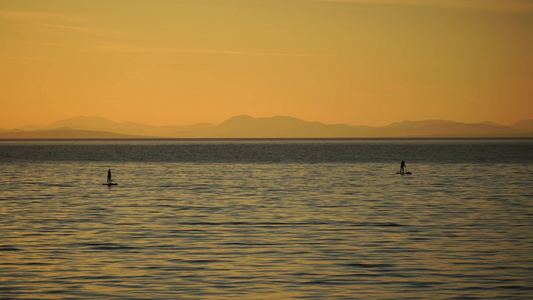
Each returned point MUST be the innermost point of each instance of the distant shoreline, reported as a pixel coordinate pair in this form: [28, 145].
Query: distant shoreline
[278, 127]
[263, 139]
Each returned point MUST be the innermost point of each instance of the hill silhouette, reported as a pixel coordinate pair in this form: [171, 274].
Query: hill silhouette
[276, 127]
[524, 125]
[440, 128]
[245, 126]
[65, 133]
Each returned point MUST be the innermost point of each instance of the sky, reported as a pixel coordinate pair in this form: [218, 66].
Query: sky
[182, 62]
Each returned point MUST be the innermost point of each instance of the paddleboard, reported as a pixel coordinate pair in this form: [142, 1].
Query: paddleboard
[406, 173]
[108, 184]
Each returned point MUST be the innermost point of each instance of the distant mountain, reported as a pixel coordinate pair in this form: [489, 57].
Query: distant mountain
[440, 128]
[64, 133]
[288, 127]
[525, 125]
[84, 123]
[129, 128]
[275, 127]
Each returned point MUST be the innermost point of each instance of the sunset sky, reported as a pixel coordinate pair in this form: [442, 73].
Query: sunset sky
[180, 62]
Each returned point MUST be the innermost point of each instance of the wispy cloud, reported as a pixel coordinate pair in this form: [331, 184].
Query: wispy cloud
[27, 58]
[178, 50]
[397, 88]
[78, 23]
[483, 5]
[85, 29]
[39, 16]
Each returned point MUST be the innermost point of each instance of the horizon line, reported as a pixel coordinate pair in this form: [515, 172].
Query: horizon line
[271, 117]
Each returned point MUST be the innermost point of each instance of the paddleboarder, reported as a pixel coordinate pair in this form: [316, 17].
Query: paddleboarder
[109, 176]
[402, 167]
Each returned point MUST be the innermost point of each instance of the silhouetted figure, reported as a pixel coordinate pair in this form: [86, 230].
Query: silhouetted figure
[109, 176]
[402, 167]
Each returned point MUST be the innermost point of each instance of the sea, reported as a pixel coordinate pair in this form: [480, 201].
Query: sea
[266, 219]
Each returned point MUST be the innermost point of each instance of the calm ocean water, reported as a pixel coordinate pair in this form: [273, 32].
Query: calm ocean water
[267, 219]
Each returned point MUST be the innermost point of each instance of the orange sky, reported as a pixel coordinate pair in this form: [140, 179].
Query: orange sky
[360, 62]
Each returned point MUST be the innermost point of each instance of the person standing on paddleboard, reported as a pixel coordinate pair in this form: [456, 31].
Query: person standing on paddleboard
[402, 167]
[109, 176]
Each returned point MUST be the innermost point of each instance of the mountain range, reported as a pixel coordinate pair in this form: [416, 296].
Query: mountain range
[274, 127]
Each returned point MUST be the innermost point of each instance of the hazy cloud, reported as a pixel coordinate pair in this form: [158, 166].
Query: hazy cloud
[78, 23]
[39, 16]
[29, 58]
[138, 49]
[487, 5]
[85, 29]
[397, 88]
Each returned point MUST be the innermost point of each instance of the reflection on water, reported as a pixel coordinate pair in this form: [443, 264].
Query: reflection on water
[265, 231]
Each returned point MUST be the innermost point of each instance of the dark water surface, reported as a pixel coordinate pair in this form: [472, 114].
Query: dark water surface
[266, 219]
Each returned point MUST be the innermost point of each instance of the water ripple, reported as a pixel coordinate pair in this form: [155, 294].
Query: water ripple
[341, 229]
